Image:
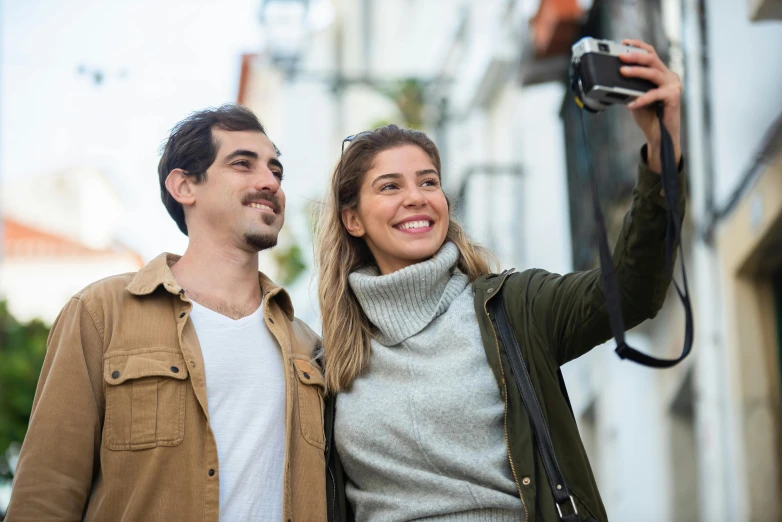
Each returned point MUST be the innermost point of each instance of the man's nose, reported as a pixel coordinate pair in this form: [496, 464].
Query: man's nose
[266, 180]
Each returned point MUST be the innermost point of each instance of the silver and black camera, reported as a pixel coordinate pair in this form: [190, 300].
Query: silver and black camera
[595, 78]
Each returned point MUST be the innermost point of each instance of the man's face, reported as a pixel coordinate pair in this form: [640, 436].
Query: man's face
[241, 202]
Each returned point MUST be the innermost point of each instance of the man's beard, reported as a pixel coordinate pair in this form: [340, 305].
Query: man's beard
[260, 241]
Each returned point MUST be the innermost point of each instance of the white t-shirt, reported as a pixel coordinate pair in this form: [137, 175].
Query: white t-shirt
[245, 388]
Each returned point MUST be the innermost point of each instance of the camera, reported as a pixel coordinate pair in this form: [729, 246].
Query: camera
[595, 78]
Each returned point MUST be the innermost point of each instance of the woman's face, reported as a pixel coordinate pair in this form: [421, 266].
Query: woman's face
[402, 213]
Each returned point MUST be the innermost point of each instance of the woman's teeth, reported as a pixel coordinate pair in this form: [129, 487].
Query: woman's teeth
[414, 224]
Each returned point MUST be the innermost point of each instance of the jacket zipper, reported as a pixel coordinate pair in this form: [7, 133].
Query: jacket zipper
[334, 496]
[505, 396]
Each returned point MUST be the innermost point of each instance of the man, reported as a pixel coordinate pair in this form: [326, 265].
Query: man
[185, 391]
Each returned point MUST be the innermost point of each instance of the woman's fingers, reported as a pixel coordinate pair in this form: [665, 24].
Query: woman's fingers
[655, 76]
[639, 43]
[647, 60]
[667, 93]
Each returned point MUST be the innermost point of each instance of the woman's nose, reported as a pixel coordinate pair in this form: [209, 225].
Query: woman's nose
[415, 198]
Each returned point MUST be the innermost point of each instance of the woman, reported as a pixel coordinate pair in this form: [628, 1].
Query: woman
[422, 421]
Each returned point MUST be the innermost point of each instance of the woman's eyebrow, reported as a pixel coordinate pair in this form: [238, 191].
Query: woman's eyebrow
[396, 175]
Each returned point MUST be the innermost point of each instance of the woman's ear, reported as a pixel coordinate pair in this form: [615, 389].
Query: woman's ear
[180, 186]
[352, 223]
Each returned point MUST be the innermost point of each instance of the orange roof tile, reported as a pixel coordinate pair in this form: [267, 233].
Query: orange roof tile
[20, 240]
[555, 27]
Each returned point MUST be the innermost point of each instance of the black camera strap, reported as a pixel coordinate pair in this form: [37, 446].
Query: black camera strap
[672, 237]
[563, 499]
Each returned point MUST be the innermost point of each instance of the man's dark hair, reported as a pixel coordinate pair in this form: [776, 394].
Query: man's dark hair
[192, 148]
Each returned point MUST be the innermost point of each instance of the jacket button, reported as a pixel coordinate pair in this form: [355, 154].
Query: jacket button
[526, 481]
[306, 375]
[174, 369]
[115, 375]
[181, 315]
[192, 364]
[211, 473]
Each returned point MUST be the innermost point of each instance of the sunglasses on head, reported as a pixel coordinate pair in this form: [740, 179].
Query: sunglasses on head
[353, 137]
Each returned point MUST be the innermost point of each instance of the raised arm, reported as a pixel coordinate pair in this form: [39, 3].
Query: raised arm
[570, 310]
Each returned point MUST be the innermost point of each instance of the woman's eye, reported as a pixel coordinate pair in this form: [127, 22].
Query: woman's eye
[432, 182]
[388, 186]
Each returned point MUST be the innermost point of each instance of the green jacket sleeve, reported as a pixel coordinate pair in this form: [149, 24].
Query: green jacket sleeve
[569, 312]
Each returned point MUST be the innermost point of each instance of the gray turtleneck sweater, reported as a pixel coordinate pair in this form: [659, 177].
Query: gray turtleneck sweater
[421, 434]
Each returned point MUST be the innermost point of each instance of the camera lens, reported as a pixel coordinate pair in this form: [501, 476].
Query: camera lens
[603, 47]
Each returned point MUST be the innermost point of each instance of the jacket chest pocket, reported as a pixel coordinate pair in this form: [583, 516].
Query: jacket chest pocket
[309, 391]
[145, 398]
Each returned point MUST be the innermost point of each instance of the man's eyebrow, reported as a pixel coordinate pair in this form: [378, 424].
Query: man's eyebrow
[241, 152]
[276, 163]
[396, 175]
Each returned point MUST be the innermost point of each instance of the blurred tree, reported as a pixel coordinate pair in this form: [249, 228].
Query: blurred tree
[409, 97]
[290, 261]
[22, 350]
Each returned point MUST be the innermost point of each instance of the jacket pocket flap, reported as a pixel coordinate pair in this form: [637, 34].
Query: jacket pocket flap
[308, 373]
[144, 362]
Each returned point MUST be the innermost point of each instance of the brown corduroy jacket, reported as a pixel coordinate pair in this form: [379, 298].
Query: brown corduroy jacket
[120, 425]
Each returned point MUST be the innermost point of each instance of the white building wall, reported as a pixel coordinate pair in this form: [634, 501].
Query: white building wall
[497, 123]
[39, 288]
[546, 210]
[744, 103]
[77, 203]
[631, 464]
[717, 500]
[745, 61]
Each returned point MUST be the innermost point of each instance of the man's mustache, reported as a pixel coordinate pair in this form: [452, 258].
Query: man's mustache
[264, 196]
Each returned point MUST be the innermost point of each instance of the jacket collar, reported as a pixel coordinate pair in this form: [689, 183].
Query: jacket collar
[158, 273]
[490, 284]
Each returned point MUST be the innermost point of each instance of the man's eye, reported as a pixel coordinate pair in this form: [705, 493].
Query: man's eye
[242, 163]
[277, 174]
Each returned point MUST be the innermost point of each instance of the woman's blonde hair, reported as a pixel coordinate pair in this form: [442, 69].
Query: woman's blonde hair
[346, 329]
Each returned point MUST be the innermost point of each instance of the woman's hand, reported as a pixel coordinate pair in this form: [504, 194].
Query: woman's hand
[669, 91]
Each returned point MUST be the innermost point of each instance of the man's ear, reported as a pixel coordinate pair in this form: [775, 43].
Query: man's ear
[180, 186]
[352, 223]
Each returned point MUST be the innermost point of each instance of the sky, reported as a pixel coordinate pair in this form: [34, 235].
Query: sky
[159, 61]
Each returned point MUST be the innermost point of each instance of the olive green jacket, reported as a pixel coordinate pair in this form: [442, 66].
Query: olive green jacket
[556, 319]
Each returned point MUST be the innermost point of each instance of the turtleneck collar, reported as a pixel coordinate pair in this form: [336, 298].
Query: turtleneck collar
[403, 303]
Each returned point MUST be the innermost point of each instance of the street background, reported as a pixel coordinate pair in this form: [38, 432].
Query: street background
[89, 91]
